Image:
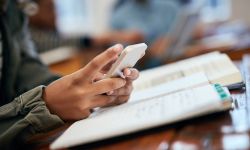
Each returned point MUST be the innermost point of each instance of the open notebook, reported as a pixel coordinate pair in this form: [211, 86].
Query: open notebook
[148, 113]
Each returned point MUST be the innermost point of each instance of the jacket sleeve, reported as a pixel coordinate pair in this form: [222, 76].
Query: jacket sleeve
[25, 116]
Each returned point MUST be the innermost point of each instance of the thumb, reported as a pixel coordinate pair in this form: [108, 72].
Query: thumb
[95, 66]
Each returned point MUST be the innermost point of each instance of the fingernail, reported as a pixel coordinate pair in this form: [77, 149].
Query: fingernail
[128, 72]
[110, 92]
[117, 47]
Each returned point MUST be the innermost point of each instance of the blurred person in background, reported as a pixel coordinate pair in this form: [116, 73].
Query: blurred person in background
[32, 99]
[151, 20]
[218, 30]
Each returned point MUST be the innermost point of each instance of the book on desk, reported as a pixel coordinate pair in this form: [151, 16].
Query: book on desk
[164, 95]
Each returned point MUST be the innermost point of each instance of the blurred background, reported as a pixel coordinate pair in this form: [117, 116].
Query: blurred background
[67, 34]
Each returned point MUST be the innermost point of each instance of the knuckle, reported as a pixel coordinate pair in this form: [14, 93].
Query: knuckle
[84, 111]
[110, 53]
[115, 92]
[121, 91]
[123, 99]
[84, 93]
[107, 101]
[122, 82]
[128, 90]
[110, 99]
[94, 63]
[113, 85]
[81, 94]
[81, 107]
[74, 80]
[86, 114]
[113, 98]
[126, 97]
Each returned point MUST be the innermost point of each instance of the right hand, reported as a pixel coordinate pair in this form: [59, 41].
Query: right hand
[72, 97]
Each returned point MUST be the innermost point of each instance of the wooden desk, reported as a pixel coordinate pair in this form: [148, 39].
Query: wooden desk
[74, 63]
[233, 53]
[82, 58]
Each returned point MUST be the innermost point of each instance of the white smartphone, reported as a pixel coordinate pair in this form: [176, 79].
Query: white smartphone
[127, 59]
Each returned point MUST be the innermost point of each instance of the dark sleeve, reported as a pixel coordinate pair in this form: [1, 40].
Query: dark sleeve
[24, 116]
[32, 72]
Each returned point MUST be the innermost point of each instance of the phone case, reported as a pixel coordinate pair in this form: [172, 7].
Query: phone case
[128, 58]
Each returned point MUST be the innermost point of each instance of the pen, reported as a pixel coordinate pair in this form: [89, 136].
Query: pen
[236, 86]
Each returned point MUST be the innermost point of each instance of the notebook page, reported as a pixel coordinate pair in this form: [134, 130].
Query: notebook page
[172, 66]
[133, 117]
[218, 69]
[191, 81]
[194, 80]
[166, 73]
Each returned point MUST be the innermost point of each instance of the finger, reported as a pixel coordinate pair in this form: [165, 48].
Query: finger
[110, 92]
[121, 99]
[84, 114]
[131, 73]
[99, 76]
[102, 101]
[118, 100]
[106, 85]
[126, 90]
[107, 67]
[101, 60]
[78, 114]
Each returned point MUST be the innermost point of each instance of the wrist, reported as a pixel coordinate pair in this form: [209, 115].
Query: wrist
[45, 98]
